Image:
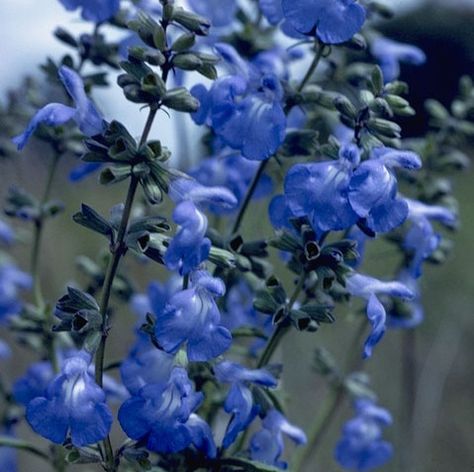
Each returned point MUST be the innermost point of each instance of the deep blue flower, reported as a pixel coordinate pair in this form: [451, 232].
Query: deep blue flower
[239, 401]
[368, 288]
[93, 10]
[83, 170]
[219, 12]
[373, 189]
[191, 317]
[74, 404]
[190, 246]
[421, 239]
[85, 113]
[267, 444]
[244, 109]
[390, 54]
[12, 280]
[161, 415]
[271, 10]
[361, 447]
[320, 191]
[332, 21]
[233, 172]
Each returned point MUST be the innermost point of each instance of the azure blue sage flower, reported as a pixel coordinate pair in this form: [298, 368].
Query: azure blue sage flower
[421, 239]
[8, 455]
[390, 54]
[93, 10]
[239, 401]
[160, 415]
[368, 288]
[332, 21]
[244, 109]
[361, 447]
[191, 317]
[373, 190]
[85, 113]
[12, 280]
[5, 351]
[219, 12]
[73, 404]
[267, 444]
[190, 246]
[7, 235]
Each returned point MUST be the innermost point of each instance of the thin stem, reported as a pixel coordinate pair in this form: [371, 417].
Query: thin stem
[7, 441]
[317, 58]
[248, 196]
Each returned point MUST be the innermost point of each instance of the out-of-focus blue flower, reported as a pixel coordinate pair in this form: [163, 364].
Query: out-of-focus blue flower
[5, 351]
[361, 447]
[390, 54]
[412, 310]
[93, 10]
[239, 401]
[320, 191]
[191, 316]
[12, 280]
[73, 404]
[233, 172]
[271, 10]
[373, 189]
[421, 239]
[83, 170]
[219, 12]
[8, 455]
[85, 113]
[160, 415]
[267, 444]
[244, 109]
[332, 21]
[368, 288]
[190, 246]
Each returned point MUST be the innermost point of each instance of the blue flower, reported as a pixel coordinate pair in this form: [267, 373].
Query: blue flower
[233, 172]
[12, 280]
[244, 109]
[267, 444]
[191, 317]
[271, 10]
[239, 402]
[373, 189]
[85, 113]
[83, 170]
[320, 191]
[390, 54]
[93, 10]
[332, 21]
[219, 12]
[368, 288]
[160, 414]
[5, 351]
[361, 447]
[190, 246]
[7, 234]
[73, 404]
[8, 455]
[421, 239]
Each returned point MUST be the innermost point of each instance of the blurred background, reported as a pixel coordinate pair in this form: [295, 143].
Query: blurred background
[443, 418]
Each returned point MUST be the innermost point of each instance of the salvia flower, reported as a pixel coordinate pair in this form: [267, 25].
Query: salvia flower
[421, 239]
[361, 447]
[244, 109]
[73, 404]
[219, 12]
[7, 234]
[368, 288]
[12, 280]
[190, 246]
[239, 402]
[191, 317]
[390, 54]
[84, 113]
[373, 190]
[332, 21]
[8, 455]
[5, 351]
[267, 444]
[97, 11]
[161, 415]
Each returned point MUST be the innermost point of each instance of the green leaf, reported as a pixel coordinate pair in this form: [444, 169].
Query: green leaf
[89, 218]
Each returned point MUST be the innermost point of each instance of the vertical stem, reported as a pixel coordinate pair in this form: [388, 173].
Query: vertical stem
[407, 396]
[319, 48]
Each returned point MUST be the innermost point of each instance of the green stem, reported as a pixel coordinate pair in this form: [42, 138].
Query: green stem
[6, 441]
[248, 196]
[319, 48]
